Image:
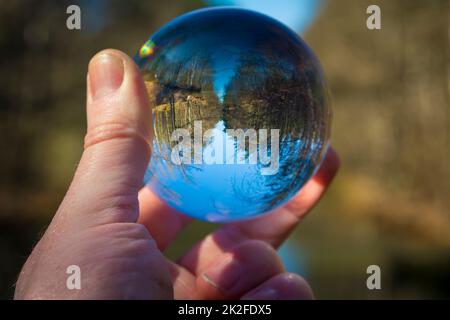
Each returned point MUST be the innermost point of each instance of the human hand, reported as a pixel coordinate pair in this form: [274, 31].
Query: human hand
[116, 232]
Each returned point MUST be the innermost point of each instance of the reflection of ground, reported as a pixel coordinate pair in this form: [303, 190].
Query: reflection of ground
[226, 191]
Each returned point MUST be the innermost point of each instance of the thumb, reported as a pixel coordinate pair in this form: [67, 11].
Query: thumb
[116, 150]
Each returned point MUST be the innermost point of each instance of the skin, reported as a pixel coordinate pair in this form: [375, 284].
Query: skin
[116, 232]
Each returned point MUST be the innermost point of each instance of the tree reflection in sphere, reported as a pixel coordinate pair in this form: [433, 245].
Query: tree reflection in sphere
[240, 113]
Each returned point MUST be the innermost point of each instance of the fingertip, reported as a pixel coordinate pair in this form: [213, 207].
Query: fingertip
[328, 168]
[316, 187]
[110, 52]
[238, 270]
[117, 97]
[284, 286]
[133, 82]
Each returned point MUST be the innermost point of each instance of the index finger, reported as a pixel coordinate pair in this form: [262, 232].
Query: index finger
[273, 228]
[162, 221]
[276, 227]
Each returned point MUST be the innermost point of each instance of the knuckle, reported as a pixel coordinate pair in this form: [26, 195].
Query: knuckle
[250, 250]
[139, 231]
[121, 208]
[258, 246]
[140, 240]
[132, 238]
[115, 130]
[130, 231]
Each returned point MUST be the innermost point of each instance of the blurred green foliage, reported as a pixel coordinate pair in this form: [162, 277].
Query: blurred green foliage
[388, 206]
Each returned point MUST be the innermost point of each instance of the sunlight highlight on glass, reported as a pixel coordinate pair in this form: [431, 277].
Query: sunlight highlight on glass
[147, 49]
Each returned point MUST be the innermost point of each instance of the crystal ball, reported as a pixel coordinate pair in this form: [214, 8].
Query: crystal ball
[241, 116]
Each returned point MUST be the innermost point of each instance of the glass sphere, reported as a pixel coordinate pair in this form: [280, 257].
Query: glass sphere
[240, 113]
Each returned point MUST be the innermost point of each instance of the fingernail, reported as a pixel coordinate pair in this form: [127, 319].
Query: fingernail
[224, 274]
[106, 72]
[264, 294]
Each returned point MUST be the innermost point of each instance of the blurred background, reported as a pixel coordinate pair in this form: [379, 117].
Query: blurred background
[390, 204]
